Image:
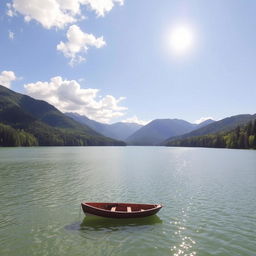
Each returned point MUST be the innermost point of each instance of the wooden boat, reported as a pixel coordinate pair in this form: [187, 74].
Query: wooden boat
[120, 210]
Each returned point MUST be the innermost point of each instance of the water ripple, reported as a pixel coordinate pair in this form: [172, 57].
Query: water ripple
[208, 197]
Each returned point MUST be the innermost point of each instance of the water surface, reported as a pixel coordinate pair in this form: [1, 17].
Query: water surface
[208, 197]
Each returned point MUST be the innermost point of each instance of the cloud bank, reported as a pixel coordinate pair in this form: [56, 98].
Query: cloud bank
[58, 13]
[68, 96]
[6, 78]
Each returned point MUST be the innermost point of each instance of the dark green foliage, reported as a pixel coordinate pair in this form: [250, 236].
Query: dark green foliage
[12, 137]
[242, 137]
[47, 125]
[254, 127]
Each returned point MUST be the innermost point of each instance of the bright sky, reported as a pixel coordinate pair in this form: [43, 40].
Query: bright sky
[115, 60]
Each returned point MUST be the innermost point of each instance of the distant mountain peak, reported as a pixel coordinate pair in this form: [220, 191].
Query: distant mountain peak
[203, 119]
[119, 130]
[158, 130]
[205, 122]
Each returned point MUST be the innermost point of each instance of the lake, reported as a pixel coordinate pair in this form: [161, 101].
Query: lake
[209, 198]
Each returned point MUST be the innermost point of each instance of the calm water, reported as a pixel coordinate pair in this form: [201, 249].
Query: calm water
[209, 197]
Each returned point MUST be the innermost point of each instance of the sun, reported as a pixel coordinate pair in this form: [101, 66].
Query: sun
[180, 39]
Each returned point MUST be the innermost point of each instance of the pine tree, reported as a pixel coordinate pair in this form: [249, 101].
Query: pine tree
[248, 128]
[254, 128]
[254, 142]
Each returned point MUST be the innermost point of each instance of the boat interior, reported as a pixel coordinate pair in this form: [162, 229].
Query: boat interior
[123, 207]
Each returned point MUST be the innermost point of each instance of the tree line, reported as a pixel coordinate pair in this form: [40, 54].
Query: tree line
[242, 137]
[10, 137]
[43, 135]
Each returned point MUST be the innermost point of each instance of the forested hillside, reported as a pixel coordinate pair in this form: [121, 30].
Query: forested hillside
[22, 115]
[12, 137]
[242, 137]
[224, 125]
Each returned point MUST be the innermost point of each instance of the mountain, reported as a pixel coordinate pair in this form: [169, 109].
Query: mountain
[46, 123]
[223, 125]
[242, 137]
[158, 130]
[119, 131]
[122, 130]
[204, 123]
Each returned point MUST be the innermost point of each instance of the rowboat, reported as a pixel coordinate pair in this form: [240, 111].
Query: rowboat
[120, 210]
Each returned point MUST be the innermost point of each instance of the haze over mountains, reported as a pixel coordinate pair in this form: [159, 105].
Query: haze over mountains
[119, 131]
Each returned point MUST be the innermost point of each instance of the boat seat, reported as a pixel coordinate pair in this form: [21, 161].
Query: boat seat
[129, 209]
[113, 209]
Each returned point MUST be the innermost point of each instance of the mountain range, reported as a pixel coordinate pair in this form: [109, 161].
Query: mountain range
[45, 123]
[242, 136]
[119, 131]
[25, 121]
[153, 133]
[160, 129]
[223, 125]
[164, 131]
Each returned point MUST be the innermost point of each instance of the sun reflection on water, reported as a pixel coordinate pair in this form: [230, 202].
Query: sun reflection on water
[185, 244]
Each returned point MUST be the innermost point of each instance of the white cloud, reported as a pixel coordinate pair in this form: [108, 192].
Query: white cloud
[49, 13]
[202, 119]
[135, 119]
[11, 35]
[102, 6]
[68, 96]
[6, 78]
[78, 43]
[57, 13]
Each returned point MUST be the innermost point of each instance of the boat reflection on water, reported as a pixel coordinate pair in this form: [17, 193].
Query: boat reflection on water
[98, 223]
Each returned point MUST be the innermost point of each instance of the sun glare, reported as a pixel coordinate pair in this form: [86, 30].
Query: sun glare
[180, 39]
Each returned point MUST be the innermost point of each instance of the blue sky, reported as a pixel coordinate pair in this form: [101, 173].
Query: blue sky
[129, 70]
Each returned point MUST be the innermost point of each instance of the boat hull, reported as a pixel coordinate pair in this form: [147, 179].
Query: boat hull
[122, 210]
